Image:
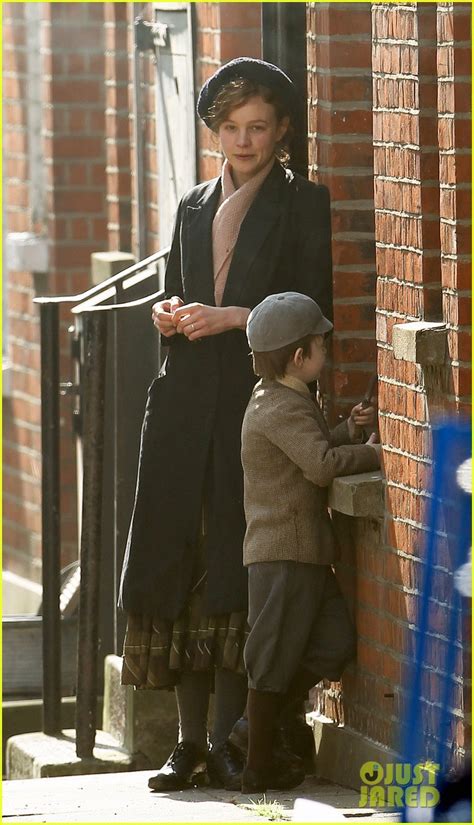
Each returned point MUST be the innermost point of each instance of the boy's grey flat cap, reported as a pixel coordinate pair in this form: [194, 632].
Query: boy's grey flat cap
[259, 71]
[281, 319]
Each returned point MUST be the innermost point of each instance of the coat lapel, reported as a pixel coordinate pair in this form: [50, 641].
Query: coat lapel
[257, 224]
[198, 265]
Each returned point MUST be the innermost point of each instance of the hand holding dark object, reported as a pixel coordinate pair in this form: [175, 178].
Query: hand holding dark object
[363, 415]
[368, 397]
[360, 418]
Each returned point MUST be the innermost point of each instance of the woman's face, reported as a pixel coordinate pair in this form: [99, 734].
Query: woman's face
[248, 137]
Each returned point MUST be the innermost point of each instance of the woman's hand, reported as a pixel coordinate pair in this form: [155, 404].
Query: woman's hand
[162, 314]
[197, 321]
[360, 418]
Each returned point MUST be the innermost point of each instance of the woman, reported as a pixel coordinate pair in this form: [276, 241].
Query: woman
[255, 230]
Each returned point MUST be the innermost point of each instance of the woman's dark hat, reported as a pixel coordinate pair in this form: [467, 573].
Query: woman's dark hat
[259, 71]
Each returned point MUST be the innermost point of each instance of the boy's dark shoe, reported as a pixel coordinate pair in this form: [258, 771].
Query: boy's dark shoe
[239, 736]
[283, 755]
[296, 734]
[298, 738]
[224, 766]
[184, 768]
[277, 778]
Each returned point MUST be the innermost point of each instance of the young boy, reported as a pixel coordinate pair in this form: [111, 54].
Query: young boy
[300, 628]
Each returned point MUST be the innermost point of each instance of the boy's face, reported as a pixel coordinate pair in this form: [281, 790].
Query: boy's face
[312, 365]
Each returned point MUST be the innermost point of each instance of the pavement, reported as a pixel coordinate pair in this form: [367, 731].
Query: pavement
[124, 797]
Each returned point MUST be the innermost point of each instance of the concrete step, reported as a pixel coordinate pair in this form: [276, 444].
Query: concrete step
[143, 722]
[25, 715]
[34, 755]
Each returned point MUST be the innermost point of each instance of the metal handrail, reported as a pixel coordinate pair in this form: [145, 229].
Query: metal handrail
[94, 336]
[120, 277]
[87, 307]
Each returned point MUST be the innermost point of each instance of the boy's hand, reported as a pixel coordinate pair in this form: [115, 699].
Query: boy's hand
[363, 416]
[374, 442]
[360, 418]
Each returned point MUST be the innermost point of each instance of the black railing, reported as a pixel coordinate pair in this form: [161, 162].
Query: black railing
[90, 311]
[50, 503]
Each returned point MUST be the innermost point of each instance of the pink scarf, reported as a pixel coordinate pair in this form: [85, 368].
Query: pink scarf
[233, 207]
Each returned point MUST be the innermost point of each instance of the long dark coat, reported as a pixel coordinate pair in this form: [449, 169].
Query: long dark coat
[193, 418]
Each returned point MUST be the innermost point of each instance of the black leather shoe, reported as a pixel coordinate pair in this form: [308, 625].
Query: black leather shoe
[277, 778]
[184, 768]
[224, 766]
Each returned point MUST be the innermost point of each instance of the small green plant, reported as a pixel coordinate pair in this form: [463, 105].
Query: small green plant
[269, 809]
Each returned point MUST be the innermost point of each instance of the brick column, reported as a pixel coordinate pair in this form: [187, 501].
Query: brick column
[119, 196]
[400, 166]
[341, 156]
[454, 130]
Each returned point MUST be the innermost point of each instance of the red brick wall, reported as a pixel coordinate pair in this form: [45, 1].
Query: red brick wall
[73, 96]
[383, 99]
[74, 93]
[400, 205]
[341, 156]
[22, 435]
[408, 268]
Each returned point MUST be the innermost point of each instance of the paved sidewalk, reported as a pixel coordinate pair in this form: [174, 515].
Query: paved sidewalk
[124, 797]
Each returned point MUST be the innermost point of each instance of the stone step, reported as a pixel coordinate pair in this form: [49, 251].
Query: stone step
[143, 722]
[37, 755]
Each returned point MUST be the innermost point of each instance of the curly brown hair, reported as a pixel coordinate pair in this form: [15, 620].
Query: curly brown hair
[238, 92]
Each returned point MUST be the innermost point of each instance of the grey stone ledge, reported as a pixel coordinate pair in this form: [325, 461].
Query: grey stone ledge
[358, 495]
[420, 342]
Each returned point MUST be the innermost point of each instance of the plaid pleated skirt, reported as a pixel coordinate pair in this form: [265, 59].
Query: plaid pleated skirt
[156, 651]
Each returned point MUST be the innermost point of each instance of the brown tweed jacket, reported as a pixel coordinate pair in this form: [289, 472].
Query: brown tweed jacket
[289, 458]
